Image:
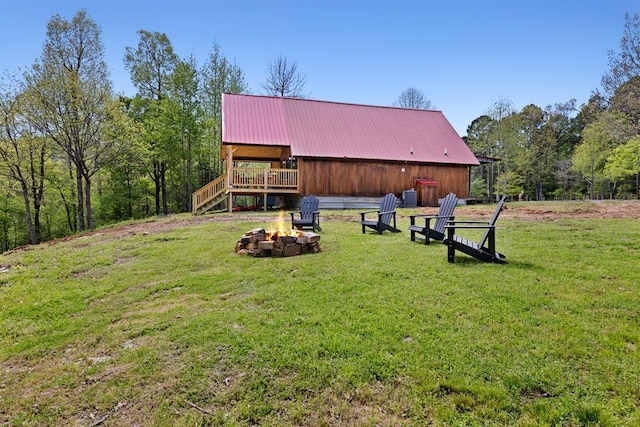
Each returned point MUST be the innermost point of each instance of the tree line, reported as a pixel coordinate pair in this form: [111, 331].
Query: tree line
[73, 154]
[564, 151]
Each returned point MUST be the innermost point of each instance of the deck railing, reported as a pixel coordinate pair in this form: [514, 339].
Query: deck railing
[246, 180]
[261, 178]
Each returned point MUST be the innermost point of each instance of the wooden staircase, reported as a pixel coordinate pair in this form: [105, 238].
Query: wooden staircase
[210, 195]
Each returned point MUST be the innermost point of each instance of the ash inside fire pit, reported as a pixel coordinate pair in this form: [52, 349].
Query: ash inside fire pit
[262, 243]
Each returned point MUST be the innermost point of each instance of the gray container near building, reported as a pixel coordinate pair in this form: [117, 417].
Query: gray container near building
[409, 199]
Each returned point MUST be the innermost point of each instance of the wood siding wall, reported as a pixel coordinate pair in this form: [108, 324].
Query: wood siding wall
[373, 179]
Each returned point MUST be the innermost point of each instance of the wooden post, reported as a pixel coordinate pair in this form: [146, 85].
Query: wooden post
[451, 250]
[492, 241]
[230, 178]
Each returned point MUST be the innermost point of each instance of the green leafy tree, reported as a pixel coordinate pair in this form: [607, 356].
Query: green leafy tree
[478, 136]
[512, 181]
[599, 139]
[479, 141]
[24, 153]
[548, 138]
[478, 188]
[218, 75]
[564, 126]
[151, 65]
[565, 131]
[60, 179]
[591, 111]
[624, 162]
[504, 137]
[622, 83]
[496, 135]
[125, 195]
[12, 230]
[186, 115]
[68, 91]
[565, 178]
[531, 162]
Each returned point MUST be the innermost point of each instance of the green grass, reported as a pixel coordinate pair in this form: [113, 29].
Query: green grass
[174, 328]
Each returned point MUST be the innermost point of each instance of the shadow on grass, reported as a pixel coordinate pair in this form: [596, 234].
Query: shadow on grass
[470, 261]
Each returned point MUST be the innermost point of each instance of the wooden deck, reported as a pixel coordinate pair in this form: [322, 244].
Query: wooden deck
[245, 181]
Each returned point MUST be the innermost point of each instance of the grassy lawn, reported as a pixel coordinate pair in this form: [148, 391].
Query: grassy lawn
[171, 327]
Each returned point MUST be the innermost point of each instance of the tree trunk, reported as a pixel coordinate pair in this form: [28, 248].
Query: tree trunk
[129, 196]
[538, 188]
[69, 207]
[504, 182]
[189, 179]
[4, 236]
[87, 200]
[67, 210]
[32, 231]
[156, 182]
[490, 180]
[163, 187]
[37, 184]
[80, 196]
[593, 180]
[36, 220]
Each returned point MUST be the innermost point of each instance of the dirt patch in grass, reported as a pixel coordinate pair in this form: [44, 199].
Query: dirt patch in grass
[542, 211]
[530, 211]
[560, 210]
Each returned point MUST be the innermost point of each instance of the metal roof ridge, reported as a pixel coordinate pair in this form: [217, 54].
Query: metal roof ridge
[324, 101]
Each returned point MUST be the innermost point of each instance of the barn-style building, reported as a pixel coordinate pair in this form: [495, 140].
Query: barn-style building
[283, 148]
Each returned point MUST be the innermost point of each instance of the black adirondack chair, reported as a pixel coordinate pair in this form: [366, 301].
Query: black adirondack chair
[445, 213]
[384, 216]
[308, 217]
[485, 249]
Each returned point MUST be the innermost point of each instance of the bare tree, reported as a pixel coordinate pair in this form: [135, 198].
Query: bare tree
[284, 79]
[625, 63]
[413, 98]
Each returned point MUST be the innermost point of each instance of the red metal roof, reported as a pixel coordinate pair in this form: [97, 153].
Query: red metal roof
[337, 130]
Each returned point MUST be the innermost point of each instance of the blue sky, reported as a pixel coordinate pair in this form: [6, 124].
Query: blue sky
[463, 54]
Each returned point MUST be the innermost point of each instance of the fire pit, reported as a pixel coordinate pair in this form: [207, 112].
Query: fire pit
[278, 242]
[262, 243]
